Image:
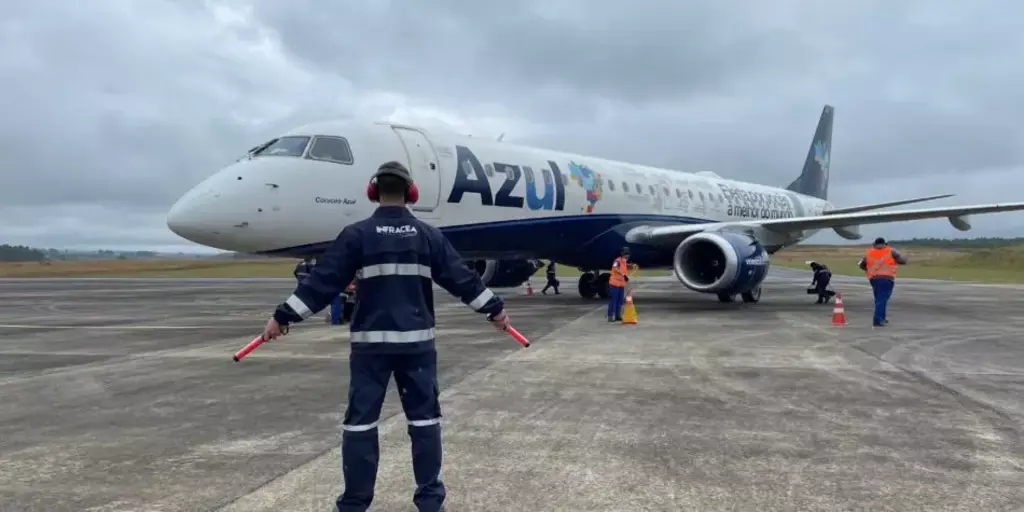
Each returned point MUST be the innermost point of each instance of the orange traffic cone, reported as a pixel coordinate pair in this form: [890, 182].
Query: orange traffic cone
[838, 313]
[629, 316]
[529, 289]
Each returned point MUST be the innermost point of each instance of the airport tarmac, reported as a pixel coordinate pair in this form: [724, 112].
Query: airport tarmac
[121, 395]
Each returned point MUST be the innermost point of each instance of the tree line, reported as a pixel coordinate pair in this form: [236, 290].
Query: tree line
[980, 242]
[24, 253]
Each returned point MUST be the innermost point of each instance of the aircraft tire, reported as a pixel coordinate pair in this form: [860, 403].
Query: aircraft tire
[586, 285]
[753, 296]
[602, 285]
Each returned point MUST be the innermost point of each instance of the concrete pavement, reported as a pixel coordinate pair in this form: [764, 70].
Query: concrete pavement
[121, 395]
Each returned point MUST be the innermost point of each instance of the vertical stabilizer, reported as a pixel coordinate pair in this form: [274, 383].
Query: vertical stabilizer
[813, 181]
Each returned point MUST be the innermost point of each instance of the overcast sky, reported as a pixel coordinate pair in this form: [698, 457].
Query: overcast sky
[111, 109]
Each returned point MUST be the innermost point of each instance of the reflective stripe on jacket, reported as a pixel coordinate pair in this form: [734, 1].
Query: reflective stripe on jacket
[619, 273]
[880, 263]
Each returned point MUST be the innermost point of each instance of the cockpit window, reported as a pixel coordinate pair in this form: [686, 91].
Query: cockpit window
[331, 149]
[284, 146]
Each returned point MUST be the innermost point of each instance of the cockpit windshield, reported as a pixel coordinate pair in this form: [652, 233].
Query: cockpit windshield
[294, 146]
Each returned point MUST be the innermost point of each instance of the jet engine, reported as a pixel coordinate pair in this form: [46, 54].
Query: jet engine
[723, 263]
[504, 273]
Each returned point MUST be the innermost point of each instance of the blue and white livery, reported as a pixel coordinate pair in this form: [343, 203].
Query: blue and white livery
[505, 206]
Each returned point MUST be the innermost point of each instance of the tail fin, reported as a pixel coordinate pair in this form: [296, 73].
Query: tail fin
[813, 181]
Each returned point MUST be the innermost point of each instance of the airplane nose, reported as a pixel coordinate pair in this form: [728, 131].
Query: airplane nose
[190, 218]
[181, 219]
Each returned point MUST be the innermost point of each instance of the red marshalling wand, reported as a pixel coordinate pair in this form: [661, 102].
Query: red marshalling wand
[257, 341]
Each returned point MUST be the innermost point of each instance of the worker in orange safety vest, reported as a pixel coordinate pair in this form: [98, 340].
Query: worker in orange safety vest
[617, 285]
[879, 264]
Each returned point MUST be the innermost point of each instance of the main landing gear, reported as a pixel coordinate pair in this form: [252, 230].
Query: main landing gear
[750, 297]
[593, 283]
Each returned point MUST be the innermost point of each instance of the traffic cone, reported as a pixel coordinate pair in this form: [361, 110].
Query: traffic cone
[529, 289]
[629, 316]
[838, 313]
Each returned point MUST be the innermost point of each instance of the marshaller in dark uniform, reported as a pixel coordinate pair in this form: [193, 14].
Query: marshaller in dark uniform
[395, 256]
[552, 280]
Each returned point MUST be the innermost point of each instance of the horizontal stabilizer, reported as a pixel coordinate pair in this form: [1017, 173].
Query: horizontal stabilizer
[875, 206]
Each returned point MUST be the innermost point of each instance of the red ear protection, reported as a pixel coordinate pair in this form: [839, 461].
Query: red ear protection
[412, 192]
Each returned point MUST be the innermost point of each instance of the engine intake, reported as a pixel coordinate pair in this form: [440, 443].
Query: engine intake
[727, 263]
[504, 273]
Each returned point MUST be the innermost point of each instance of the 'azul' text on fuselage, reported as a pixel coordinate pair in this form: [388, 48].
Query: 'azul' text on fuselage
[471, 178]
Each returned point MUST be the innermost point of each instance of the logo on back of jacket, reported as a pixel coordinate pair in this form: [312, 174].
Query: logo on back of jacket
[406, 230]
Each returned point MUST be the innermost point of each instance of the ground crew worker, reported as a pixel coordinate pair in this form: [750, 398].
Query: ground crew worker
[822, 277]
[395, 256]
[552, 280]
[617, 285]
[879, 264]
[343, 305]
[303, 268]
[350, 302]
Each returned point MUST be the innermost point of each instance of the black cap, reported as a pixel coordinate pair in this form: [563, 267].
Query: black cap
[394, 168]
[624, 251]
[879, 241]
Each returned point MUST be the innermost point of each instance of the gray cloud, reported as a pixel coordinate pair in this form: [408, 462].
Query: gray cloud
[113, 109]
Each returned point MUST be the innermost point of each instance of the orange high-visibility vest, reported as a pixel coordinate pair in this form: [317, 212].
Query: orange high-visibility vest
[880, 263]
[619, 273]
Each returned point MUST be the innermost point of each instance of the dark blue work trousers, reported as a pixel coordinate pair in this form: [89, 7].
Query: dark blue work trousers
[416, 377]
[882, 288]
[616, 298]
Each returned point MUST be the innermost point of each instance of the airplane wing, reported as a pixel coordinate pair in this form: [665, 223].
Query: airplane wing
[957, 215]
[875, 206]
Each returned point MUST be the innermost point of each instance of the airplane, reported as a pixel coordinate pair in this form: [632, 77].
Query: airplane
[505, 207]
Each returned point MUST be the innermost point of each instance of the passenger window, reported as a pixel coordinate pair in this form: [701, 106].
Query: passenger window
[625, 187]
[638, 189]
[651, 188]
[331, 149]
[665, 191]
[611, 186]
[679, 195]
[293, 146]
[690, 193]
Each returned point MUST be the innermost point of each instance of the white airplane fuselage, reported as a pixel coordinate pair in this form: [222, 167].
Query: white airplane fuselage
[505, 207]
[503, 202]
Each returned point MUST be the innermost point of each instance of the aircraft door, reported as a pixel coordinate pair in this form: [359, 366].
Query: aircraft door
[423, 164]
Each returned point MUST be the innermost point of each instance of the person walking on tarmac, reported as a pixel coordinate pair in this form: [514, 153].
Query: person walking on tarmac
[396, 256]
[552, 280]
[822, 277]
[303, 268]
[617, 285]
[879, 264]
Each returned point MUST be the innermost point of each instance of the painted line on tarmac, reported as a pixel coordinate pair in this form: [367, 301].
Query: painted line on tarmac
[105, 327]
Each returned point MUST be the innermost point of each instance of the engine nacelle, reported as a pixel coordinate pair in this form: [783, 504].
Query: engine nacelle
[728, 263]
[504, 273]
